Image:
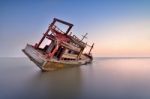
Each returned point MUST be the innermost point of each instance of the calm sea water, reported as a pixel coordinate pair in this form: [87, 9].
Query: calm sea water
[103, 79]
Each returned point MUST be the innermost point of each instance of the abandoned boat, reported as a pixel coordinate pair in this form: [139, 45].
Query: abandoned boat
[62, 49]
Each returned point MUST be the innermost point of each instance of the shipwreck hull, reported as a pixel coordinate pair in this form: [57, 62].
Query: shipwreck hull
[53, 65]
[62, 49]
[46, 64]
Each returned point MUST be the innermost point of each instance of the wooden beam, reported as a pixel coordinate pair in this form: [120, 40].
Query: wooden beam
[71, 47]
[66, 23]
[91, 48]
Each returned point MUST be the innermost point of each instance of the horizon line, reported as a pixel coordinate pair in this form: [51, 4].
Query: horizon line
[93, 57]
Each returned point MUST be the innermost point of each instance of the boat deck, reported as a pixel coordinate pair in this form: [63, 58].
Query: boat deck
[40, 59]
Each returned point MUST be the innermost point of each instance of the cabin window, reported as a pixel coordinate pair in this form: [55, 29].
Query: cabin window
[69, 51]
[69, 59]
[51, 47]
[44, 45]
[59, 52]
[61, 27]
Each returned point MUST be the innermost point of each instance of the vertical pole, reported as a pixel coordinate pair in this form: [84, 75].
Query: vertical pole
[50, 55]
[62, 53]
[84, 36]
[91, 48]
[37, 45]
[45, 34]
[79, 55]
[68, 30]
[81, 51]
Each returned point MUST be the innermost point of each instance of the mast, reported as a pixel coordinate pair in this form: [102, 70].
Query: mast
[84, 36]
[91, 48]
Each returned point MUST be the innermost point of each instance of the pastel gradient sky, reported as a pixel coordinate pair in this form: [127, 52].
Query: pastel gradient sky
[119, 28]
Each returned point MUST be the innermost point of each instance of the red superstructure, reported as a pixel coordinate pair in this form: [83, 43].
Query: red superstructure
[64, 48]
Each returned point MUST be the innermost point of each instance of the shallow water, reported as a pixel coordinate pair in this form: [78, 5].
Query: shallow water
[103, 79]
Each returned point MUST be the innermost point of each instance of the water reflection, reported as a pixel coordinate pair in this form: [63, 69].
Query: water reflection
[103, 79]
[21, 79]
[63, 84]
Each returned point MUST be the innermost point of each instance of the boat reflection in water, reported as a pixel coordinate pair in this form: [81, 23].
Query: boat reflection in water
[103, 79]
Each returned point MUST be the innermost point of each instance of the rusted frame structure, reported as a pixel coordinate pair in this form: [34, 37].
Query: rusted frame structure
[62, 39]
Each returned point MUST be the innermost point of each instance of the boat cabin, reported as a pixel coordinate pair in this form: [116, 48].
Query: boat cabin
[63, 45]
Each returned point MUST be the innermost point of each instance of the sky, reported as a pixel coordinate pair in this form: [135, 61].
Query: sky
[119, 28]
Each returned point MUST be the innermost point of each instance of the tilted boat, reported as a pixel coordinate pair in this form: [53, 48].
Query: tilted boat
[64, 49]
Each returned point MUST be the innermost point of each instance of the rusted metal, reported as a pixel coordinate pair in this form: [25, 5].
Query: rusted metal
[63, 51]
